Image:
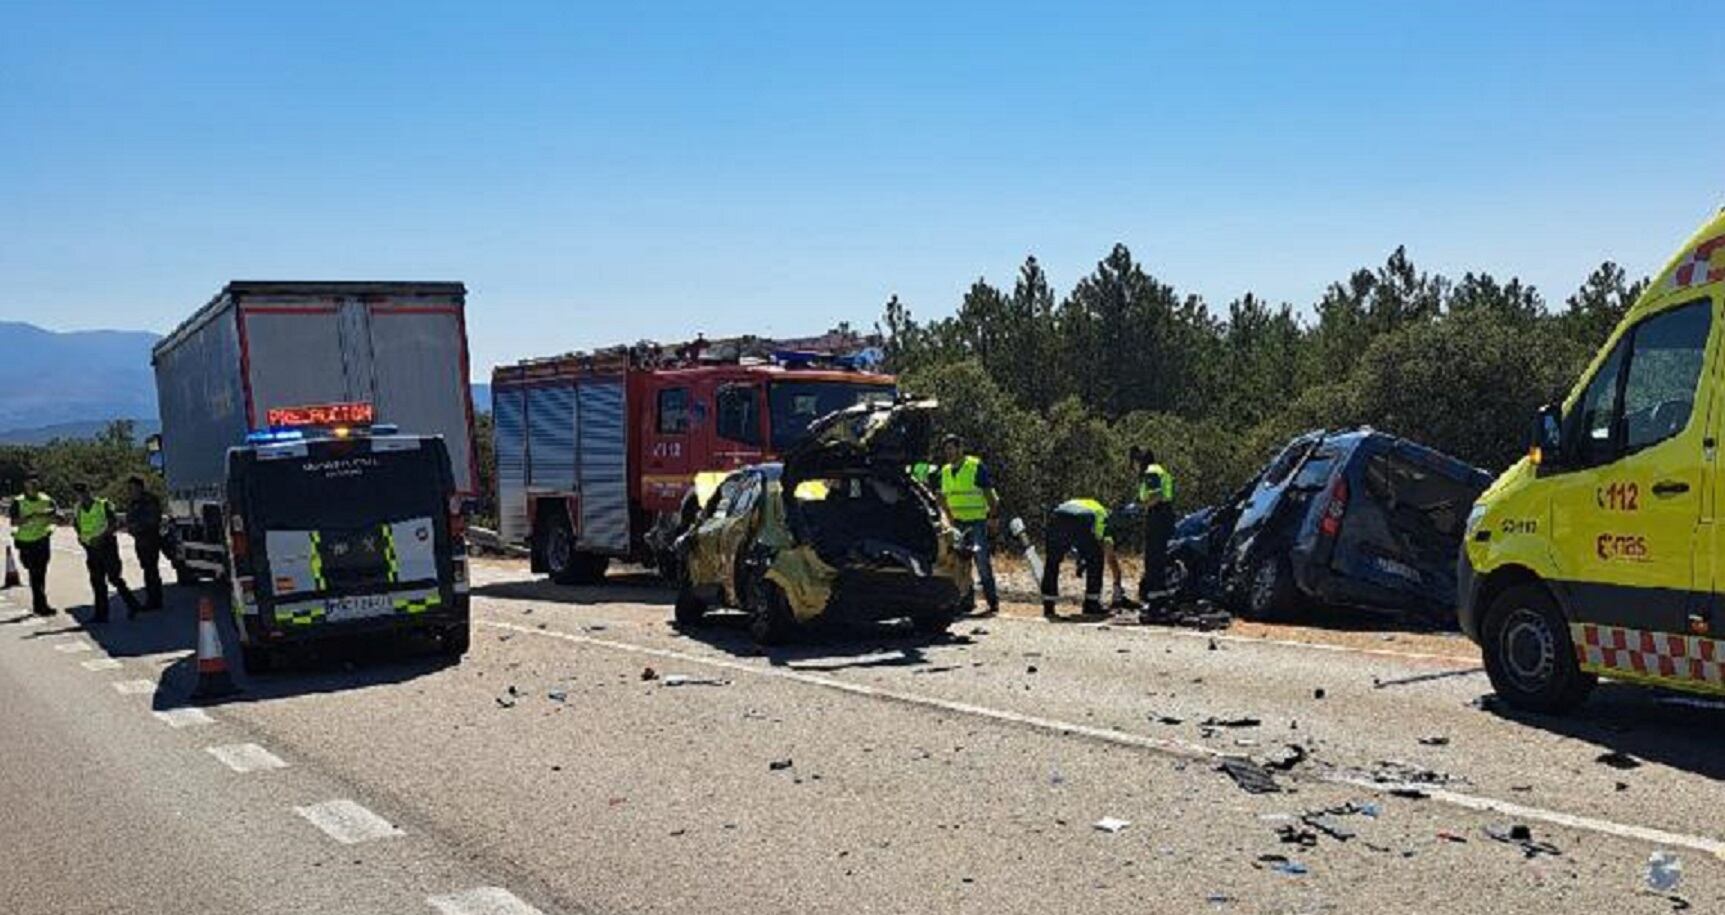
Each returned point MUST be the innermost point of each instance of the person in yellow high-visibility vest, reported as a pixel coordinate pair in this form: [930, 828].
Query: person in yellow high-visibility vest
[97, 523]
[1156, 496]
[32, 514]
[968, 497]
[1086, 527]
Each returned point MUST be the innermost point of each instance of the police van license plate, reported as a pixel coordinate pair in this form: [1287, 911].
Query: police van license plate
[358, 608]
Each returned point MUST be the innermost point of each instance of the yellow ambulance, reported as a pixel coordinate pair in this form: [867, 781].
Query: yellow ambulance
[1599, 553]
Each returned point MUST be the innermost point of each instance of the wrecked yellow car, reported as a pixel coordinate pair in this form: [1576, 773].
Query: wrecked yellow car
[839, 530]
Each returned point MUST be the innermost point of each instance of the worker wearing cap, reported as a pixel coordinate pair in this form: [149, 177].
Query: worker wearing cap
[968, 497]
[32, 515]
[1081, 525]
[97, 523]
[144, 523]
[1156, 496]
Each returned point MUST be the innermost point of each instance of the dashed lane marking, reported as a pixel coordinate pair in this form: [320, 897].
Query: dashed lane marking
[184, 717]
[1177, 748]
[347, 822]
[486, 900]
[101, 664]
[246, 757]
[135, 687]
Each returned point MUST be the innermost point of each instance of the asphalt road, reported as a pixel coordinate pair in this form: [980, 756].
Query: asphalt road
[861, 772]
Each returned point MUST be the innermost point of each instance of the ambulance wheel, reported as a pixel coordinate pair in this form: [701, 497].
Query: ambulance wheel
[258, 659]
[1270, 593]
[1528, 653]
[771, 621]
[455, 640]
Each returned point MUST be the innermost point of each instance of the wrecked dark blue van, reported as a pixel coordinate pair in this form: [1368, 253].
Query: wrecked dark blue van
[1357, 518]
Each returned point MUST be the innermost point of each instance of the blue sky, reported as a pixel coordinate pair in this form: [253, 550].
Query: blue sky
[597, 174]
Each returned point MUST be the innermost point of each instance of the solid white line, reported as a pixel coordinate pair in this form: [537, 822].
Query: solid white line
[184, 717]
[101, 664]
[485, 900]
[246, 757]
[135, 687]
[347, 822]
[1170, 747]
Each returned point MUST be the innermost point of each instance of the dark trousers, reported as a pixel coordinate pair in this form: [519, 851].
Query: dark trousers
[34, 556]
[1066, 532]
[150, 557]
[102, 559]
[1158, 527]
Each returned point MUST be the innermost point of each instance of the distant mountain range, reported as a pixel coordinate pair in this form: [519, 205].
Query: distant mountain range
[50, 379]
[70, 385]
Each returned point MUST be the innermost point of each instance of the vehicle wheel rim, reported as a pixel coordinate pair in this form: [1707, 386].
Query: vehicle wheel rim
[557, 552]
[1528, 648]
[1264, 585]
[1176, 575]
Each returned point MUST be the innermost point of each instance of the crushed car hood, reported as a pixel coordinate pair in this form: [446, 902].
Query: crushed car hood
[869, 437]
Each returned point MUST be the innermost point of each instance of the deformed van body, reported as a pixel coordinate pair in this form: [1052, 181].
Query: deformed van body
[1599, 553]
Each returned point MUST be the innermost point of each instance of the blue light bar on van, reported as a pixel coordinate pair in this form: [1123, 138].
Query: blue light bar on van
[274, 436]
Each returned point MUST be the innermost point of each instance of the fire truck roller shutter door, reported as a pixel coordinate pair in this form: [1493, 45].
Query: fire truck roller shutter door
[603, 467]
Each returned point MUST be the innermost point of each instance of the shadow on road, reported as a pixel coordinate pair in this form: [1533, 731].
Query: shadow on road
[1650, 725]
[624, 587]
[823, 648]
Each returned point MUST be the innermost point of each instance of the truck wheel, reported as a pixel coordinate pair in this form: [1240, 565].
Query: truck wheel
[1270, 593]
[771, 621]
[258, 659]
[1529, 655]
[557, 550]
[456, 640]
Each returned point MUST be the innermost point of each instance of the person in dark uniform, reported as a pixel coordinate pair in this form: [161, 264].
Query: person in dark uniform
[97, 525]
[1080, 525]
[144, 523]
[32, 515]
[1156, 497]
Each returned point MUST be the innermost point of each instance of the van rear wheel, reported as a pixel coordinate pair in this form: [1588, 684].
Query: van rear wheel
[1529, 655]
[1270, 593]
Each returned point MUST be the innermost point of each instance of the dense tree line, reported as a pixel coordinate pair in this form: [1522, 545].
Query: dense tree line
[1054, 389]
[105, 462]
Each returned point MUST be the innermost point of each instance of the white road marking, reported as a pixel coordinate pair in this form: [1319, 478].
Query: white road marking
[135, 687]
[347, 822]
[246, 757]
[184, 717]
[101, 664]
[69, 647]
[486, 900]
[1169, 747]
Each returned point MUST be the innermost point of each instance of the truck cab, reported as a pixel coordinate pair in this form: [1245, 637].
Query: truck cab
[342, 533]
[1598, 555]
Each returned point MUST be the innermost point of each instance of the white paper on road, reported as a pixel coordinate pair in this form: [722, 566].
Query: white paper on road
[486, 900]
[347, 822]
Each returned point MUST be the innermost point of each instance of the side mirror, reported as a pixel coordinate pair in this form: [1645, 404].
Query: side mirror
[1546, 442]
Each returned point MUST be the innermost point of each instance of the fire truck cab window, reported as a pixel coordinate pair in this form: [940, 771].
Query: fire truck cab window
[739, 409]
[673, 411]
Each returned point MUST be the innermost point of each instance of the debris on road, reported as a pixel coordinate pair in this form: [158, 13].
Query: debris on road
[1617, 759]
[1111, 824]
[1282, 864]
[1664, 872]
[778, 765]
[1434, 741]
[1395, 771]
[1295, 835]
[1292, 755]
[1167, 719]
[686, 680]
[557, 695]
[1251, 777]
[1318, 693]
[648, 675]
[1521, 836]
[1448, 836]
[1243, 722]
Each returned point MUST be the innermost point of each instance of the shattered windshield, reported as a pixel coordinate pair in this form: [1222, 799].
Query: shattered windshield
[795, 404]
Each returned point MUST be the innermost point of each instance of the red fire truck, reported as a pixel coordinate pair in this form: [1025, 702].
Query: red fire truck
[601, 455]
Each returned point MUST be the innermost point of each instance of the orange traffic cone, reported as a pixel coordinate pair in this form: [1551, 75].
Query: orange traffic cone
[11, 570]
[213, 679]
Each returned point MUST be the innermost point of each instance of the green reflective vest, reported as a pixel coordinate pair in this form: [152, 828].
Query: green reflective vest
[94, 521]
[1096, 510]
[35, 518]
[964, 498]
[1161, 494]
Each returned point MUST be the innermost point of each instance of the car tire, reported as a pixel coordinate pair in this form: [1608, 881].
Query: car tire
[771, 621]
[1270, 591]
[1529, 655]
[258, 659]
[690, 610]
[455, 640]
